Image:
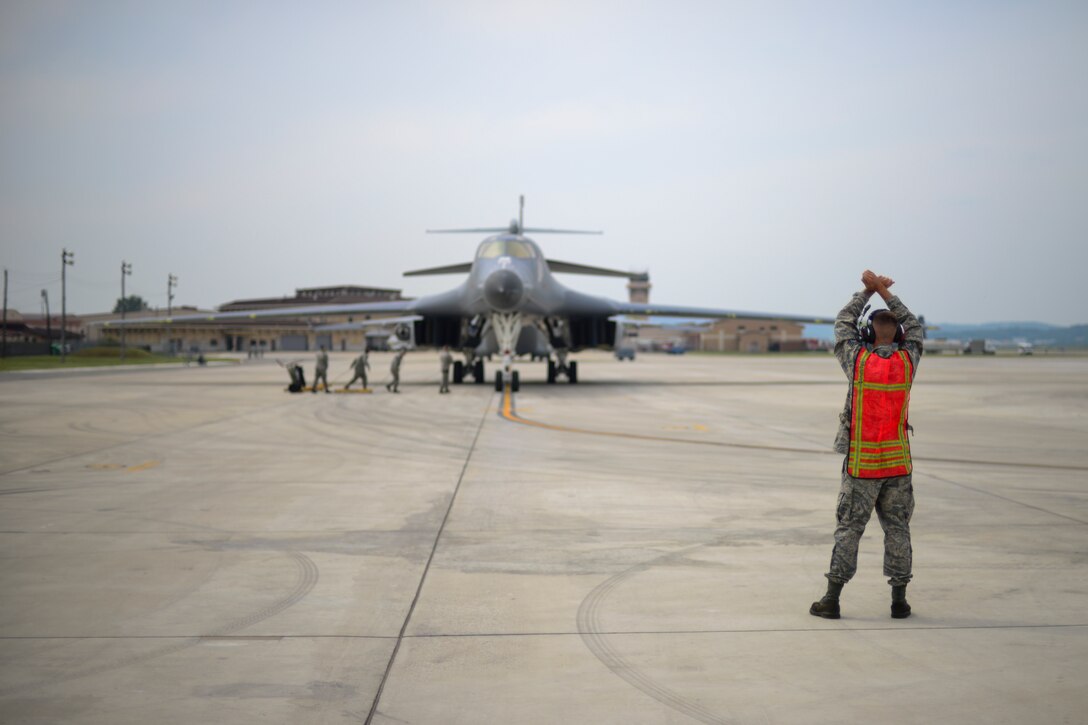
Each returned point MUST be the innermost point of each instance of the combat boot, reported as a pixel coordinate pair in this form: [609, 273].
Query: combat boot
[828, 606]
[900, 608]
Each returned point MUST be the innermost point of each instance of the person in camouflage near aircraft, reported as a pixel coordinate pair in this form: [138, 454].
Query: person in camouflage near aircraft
[321, 370]
[880, 361]
[359, 366]
[393, 385]
[445, 361]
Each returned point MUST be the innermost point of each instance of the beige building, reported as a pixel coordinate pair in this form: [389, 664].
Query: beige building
[734, 335]
[755, 336]
[293, 334]
[265, 335]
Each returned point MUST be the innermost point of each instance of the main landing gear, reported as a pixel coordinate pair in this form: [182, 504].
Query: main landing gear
[476, 371]
[554, 370]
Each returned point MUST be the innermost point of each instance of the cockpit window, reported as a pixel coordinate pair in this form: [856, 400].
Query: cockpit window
[519, 249]
[505, 248]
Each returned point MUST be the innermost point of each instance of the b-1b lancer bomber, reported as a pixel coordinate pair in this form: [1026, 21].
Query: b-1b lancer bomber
[509, 305]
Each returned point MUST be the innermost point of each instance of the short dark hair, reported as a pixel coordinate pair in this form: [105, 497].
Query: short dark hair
[884, 317]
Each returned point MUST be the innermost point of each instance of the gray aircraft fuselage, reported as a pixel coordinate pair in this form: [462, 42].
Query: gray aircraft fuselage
[510, 274]
[510, 277]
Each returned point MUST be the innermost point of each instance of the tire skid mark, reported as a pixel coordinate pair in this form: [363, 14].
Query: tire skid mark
[307, 577]
[589, 627]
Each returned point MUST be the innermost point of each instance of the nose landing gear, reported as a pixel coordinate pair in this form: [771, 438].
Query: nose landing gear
[515, 381]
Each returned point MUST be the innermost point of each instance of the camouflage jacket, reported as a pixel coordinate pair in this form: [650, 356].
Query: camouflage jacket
[848, 344]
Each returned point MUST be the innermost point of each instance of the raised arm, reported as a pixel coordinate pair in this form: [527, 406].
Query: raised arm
[847, 336]
[913, 336]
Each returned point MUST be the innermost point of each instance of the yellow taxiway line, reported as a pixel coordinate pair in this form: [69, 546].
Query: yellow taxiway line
[508, 413]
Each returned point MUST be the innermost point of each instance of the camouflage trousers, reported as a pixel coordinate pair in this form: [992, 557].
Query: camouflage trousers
[893, 499]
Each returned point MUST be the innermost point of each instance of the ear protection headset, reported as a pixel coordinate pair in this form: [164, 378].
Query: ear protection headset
[868, 334]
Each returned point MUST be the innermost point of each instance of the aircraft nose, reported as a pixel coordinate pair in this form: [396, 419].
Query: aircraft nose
[503, 290]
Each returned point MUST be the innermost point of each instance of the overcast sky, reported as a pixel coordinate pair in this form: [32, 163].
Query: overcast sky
[753, 156]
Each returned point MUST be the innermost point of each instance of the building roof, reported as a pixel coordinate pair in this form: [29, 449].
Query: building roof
[340, 294]
[21, 328]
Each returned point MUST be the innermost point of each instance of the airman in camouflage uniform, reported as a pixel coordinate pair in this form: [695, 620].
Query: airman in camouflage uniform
[892, 498]
[393, 385]
[321, 370]
[359, 366]
[445, 360]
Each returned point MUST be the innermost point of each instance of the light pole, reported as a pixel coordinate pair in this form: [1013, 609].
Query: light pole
[126, 270]
[5, 349]
[171, 283]
[67, 259]
[48, 322]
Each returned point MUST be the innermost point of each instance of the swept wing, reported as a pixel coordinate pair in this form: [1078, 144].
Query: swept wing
[650, 310]
[391, 306]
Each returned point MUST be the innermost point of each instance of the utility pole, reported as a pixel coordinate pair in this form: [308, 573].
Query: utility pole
[4, 349]
[67, 259]
[126, 270]
[48, 322]
[171, 283]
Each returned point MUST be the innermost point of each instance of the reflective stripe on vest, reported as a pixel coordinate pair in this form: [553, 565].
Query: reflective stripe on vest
[878, 423]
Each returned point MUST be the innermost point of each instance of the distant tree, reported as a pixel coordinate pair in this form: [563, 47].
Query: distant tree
[132, 303]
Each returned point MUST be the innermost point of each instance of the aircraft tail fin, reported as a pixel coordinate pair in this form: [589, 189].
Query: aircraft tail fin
[513, 228]
[516, 226]
[479, 230]
[538, 230]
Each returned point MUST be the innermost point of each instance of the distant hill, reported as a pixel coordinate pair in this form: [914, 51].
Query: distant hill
[1038, 333]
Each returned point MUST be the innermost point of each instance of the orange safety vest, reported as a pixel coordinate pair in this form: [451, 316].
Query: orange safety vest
[878, 423]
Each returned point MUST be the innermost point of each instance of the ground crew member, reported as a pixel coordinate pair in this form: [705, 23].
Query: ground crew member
[446, 360]
[880, 361]
[359, 365]
[394, 385]
[321, 370]
[298, 379]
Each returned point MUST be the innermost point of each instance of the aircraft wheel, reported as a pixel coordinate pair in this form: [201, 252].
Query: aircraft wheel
[458, 372]
[515, 382]
[573, 374]
[551, 372]
[478, 372]
[498, 381]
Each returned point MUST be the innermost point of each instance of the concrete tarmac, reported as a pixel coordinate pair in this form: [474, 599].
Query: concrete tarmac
[186, 545]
